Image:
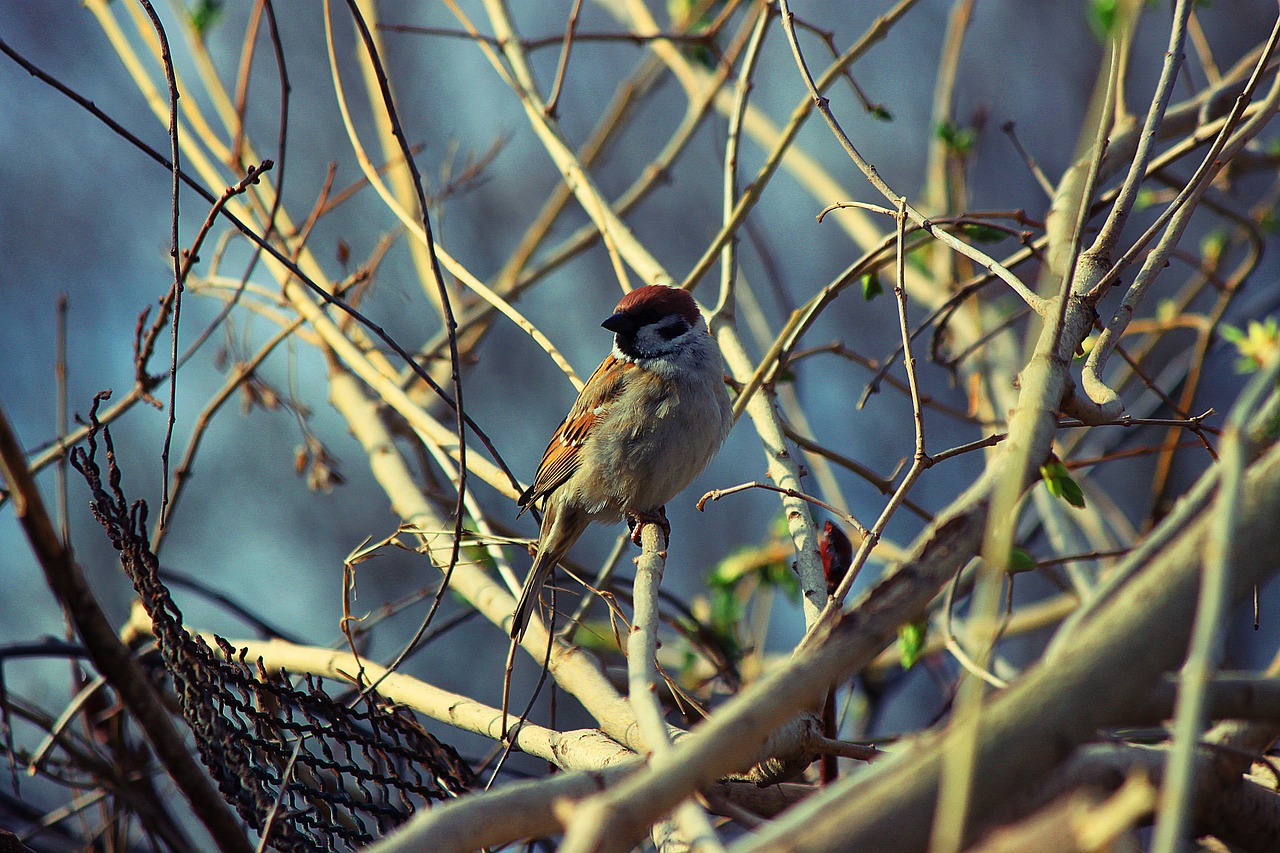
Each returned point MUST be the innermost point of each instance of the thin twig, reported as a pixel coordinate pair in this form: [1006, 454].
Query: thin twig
[285, 775]
[920, 461]
[1035, 302]
[166, 60]
[288, 263]
[446, 307]
[717, 494]
[729, 194]
[877, 31]
[953, 645]
[533, 44]
[1174, 220]
[1109, 234]
[563, 64]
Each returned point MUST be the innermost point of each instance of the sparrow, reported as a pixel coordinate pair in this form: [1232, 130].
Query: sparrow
[647, 422]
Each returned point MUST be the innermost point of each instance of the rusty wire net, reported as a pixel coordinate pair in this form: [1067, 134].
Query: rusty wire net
[336, 776]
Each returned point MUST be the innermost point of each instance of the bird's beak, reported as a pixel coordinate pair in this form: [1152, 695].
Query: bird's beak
[621, 323]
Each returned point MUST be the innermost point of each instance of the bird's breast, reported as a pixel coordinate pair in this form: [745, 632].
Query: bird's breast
[654, 440]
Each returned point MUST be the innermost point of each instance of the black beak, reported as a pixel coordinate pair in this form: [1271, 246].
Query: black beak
[621, 323]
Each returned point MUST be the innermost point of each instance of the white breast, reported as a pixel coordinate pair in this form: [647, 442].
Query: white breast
[656, 436]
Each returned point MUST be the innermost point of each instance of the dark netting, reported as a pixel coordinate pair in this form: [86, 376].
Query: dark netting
[359, 771]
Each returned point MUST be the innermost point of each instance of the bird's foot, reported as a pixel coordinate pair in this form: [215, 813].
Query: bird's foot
[636, 520]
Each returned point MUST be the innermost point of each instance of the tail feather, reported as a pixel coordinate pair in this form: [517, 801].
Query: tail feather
[529, 596]
[560, 529]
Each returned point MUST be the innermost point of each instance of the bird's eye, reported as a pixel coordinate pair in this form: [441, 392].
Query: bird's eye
[671, 331]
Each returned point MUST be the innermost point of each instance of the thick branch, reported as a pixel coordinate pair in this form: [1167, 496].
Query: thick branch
[749, 725]
[583, 749]
[1119, 657]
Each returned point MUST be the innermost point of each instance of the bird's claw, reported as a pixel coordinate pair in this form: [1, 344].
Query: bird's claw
[637, 520]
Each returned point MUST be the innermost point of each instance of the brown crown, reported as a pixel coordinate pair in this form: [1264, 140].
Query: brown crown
[659, 300]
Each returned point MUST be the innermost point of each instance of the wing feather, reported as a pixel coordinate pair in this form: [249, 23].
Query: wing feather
[562, 456]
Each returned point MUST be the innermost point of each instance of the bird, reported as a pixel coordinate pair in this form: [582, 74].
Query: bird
[648, 421]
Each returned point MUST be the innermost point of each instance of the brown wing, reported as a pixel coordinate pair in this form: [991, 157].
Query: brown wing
[561, 457]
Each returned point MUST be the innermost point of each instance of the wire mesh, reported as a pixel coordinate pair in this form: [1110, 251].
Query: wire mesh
[312, 772]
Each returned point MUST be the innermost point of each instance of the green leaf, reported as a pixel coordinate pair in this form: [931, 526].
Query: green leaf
[481, 557]
[204, 14]
[1059, 483]
[911, 639]
[682, 14]
[726, 610]
[780, 576]
[680, 11]
[779, 527]
[871, 287]
[1102, 15]
[879, 113]
[1256, 345]
[1212, 246]
[1231, 334]
[1145, 198]
[1020, 561]
[1268, 431]
[918, 259]
[959, 139]
[728, 572]
[979, 233]
[702, 55]
[597, 638]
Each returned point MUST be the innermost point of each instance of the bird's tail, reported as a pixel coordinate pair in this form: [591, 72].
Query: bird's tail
[560, 529]
[543, 565]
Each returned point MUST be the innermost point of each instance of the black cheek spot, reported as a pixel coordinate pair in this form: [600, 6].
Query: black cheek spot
[673, 331]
